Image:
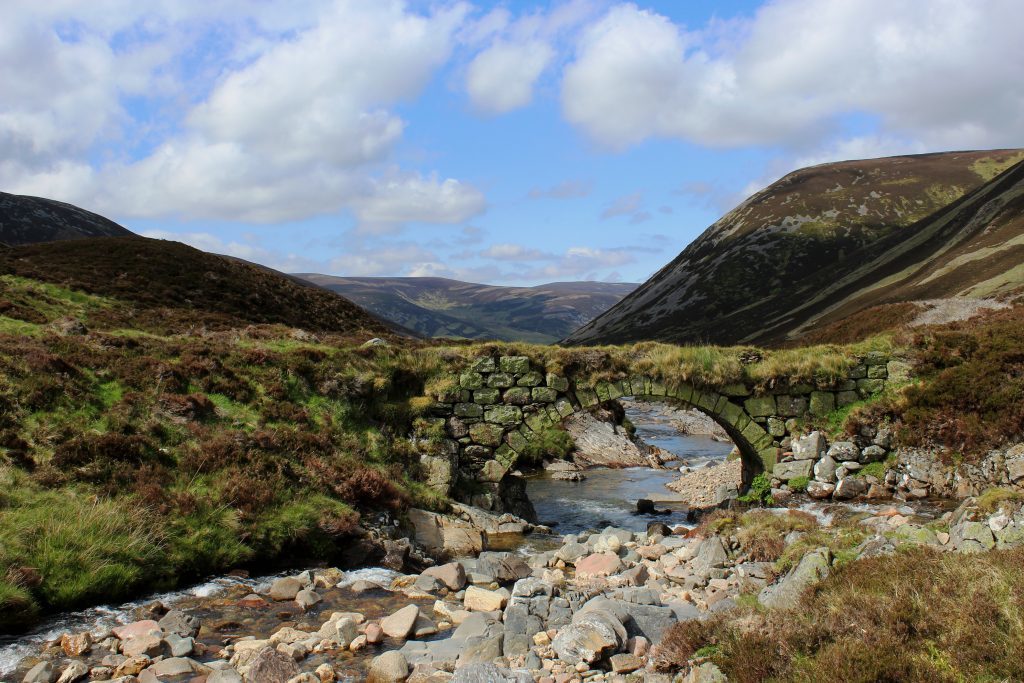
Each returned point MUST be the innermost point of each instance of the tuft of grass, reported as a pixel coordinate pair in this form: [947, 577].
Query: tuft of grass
[762, 533]
[993, 499]
[550, 443]
[799, 484]
[760, 491]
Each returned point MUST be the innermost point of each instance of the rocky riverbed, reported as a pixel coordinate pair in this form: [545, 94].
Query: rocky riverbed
[593, 607]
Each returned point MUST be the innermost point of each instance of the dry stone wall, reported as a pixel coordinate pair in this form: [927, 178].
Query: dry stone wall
[502, 403]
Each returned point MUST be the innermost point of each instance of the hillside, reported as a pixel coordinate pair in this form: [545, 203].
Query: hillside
[828, 241]
[173, 287]
[438, 307]
[28, 220]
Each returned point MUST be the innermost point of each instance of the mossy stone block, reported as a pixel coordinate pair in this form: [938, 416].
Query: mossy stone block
[486, 434]
[587, 397]
[544, 394]
[736, 389]
[530, 379]
[486, 396]
[504, 415]
[485, 364]
[760, 406]
[500, 380]
[564, 407]
[868, 387]
[557, 383]
[519, 396]
[514, 365]
[878, 371]
[471, 380]
[516, 440]
[845, 398]
[468, 410]
[822, 403]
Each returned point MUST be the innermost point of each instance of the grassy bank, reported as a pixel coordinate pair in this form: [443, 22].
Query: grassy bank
[919, 615]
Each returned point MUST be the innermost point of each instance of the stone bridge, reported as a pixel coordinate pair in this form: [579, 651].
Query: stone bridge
[477, 430]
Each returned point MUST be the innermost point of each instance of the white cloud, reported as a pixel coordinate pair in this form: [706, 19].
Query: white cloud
[567, 189]
[513, 252]
[944, 73]
[627, 205]
[299, 122]
[502, 77]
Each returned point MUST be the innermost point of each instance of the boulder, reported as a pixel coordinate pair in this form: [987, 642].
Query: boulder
[503, 566]
[150, 645]
[74, 671]
[76, 645]
[813, 567]
[452, 575]
[872, 454]
[137, 628]
[482, 600]
[285, 588]
[598, 564]
[710, 555]
[178, 646]
[819, 490]
[809, 447]
[271, 666]
[793, 469]
[400, 624]
[179, 623]
[704, 673]
[591, 636]
[374, 633]
[306, 598]
[43, 672]
[224, 676]
[825, 470]
[445, 534]
[844, 451]
[850, 487]
[625, 663]
[171, 667]
[390, 667]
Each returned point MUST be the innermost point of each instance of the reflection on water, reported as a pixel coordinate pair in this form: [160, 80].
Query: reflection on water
[608, 496]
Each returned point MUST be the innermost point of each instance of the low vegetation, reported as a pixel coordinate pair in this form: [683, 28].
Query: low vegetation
[918, 615]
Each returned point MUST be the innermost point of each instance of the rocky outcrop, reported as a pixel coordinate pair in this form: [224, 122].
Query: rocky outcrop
[603, 443]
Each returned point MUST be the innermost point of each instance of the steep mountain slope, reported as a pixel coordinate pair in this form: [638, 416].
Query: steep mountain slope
[438, 307]
[28, 220]
[772, 267]
[176, 287]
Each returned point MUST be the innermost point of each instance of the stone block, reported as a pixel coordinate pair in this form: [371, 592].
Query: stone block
[587, 397]
[760, 406]
[486, 434]
[859, 372]
[471, 380]
[530, 379]
[898, 371]
[557, 383]
[845, 398]
[516, 440]
[500, 380]
[482, 365]
[822, 403]
[486, 396]
[776, 427]
[869, 387]
[735, 390]
[508, 416]
[544, 394]
[658, 388]
[468, 410]
[514, 365]
[519, 396]
[564, 407]
[793, 469]
[878, 372]
[538, 422]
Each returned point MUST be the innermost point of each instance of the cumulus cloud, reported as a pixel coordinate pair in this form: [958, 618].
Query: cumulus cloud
[627, 205]
[297, 126]
[513, 252]
[944, 74]
[501, 78]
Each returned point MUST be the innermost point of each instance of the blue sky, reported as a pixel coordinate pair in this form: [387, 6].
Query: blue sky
[502, 142]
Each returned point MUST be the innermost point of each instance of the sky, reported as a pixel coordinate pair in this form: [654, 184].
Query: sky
[501, 142]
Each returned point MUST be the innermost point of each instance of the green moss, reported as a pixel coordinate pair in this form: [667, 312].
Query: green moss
[549, 443]
[760, 491]
[993, 499]
[799, 484]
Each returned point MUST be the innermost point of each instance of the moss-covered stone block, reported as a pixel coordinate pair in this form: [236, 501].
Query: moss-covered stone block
[486, 434]
[519, 396]
[776, 427]
[514, 365]
[753, 433]
[471, 380]
[557, 382]
[684, 392]
[845, 398]
[790, 406]
[869, 387]
[732, 413]
[822, 403]
[708, 400]
[858, 372]
[760, 406]
[878, 371]
[501, 380]
[504, 415]
[658, 388]
[768, 457]
[587, 398]
[800, 389]
[485, 364]
[530, 379]
[468, 410]
[603, 390]
[486, 396]
[516, 440]
[564, 407]
[539, 421]
[553, 414]
[544, 394]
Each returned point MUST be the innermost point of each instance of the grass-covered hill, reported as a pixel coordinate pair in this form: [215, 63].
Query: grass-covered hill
[827, 242]
[27, 220]
[440, 307]
[173, 287]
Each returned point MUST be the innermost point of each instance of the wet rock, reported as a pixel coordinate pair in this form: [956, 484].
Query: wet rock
[590, 636]
[171, 667]
[625, 663]
[850, 487]
[362, 586]
[285, 588]
[503, 566]
[658, 528]
[43, 672]
[814, 567]
[325, 672]
[396, 554]
[178, 646]
[137, 628]
[306, 598]
[389, 667]
[809, 447]
[179, 623]
[400, 624]
[270, 666]
[132, 666]
[224, 676]
[374, 634]
[150, 644]
[100, 673]
[76, 645]
[820, 490]
[427, 584]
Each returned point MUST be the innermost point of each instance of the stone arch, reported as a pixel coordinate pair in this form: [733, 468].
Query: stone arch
[501, 403]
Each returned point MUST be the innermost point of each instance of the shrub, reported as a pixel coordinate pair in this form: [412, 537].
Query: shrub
[762, 533]
[550, 443]
[799, 485]
[760, 491]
